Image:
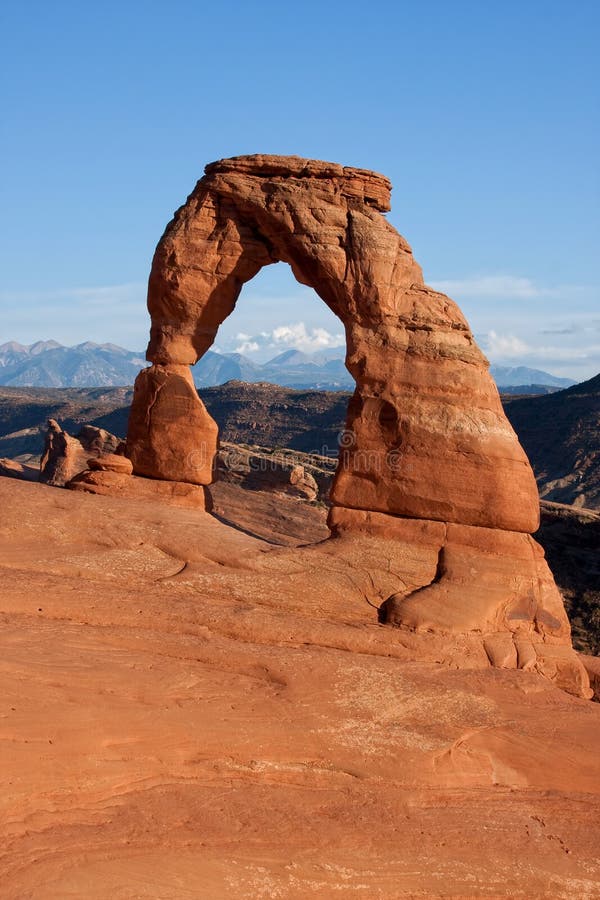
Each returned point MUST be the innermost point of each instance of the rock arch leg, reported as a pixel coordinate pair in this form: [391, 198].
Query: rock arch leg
[170, 433]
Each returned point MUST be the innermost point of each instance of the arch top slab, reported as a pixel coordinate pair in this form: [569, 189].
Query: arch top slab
[363, 185]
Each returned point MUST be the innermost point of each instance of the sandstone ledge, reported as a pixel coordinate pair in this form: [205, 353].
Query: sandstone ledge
[132, 487]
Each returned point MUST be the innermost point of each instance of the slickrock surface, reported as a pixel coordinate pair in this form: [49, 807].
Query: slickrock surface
[269, 515]
[188, 711]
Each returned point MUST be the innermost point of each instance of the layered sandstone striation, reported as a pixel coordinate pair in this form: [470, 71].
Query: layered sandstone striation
[426, 438]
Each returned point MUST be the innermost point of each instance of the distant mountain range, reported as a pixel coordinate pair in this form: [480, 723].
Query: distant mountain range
[50, 364]
[518, 376]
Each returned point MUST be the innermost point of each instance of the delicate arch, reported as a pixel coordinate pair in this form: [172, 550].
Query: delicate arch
[430, 438]
[428, 455]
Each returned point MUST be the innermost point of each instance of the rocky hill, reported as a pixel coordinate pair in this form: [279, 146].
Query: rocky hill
[561, 435]
[262, 414]
[571, 540]
[274, 416]
[24, 413]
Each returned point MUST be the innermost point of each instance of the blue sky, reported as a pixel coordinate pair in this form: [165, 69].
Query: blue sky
[484, 116]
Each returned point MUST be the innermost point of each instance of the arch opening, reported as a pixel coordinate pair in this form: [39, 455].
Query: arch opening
[274, 313]
[279, 333]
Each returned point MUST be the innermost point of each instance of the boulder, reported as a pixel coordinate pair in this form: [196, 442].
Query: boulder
[63, 456]
[111, 462]
[98, 440]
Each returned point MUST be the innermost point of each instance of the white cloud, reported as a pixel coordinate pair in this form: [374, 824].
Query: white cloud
[591, 353]
[306, 339]
[296, 335]
[505, 346]
[501, 286]
[576, 360]
[519, 321]
[247, 347]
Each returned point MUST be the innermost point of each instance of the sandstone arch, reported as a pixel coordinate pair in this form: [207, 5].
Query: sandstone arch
[446, 451]
[429, 441]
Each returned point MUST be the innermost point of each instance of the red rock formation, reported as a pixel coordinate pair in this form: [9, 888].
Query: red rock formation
[12, 468]
[262, 471]
[66, 456]
[111, 462]
[592, 666]
[170, 434]
[63, 456]
[426, 434]
[98, 440]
